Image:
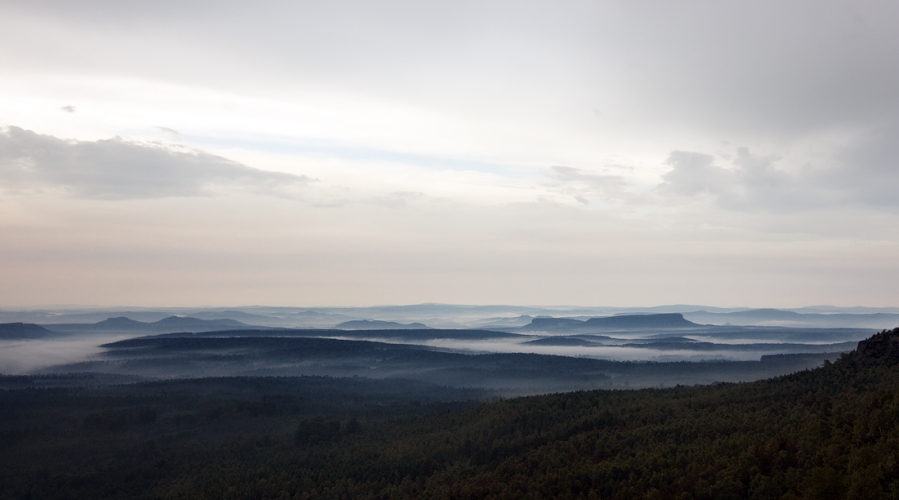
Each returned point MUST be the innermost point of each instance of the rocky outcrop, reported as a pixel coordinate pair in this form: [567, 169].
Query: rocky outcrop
[882, 347]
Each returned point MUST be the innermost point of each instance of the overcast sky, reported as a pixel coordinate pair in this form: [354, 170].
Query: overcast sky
[337, 153]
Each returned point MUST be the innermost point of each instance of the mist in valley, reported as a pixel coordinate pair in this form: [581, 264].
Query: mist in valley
[530, 355]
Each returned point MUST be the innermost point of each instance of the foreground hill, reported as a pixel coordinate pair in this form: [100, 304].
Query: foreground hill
[827, 433]
[832, 432]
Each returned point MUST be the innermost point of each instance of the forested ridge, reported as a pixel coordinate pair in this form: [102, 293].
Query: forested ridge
[832, 432]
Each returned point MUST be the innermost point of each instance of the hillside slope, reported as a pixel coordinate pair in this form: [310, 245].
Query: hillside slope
[826, 433]
[832, 432]
[24, 331]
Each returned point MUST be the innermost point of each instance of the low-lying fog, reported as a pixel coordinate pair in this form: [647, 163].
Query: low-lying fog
[18, 357]
[507, 362]
[26, 356]
[614, 353]
[751, 349]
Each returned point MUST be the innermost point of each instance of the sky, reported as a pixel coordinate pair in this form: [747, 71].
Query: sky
[630, 153]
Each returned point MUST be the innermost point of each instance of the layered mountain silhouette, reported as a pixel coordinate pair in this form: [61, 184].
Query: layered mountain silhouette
[166, 325]
[233, 354]
[188, 322]
[24, 331]
[365, 324]
[622, 322]
[778, 317]
[669, 320]
[120, 323]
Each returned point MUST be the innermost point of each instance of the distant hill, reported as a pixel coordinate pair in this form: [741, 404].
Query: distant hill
[553, 324]
[365, 324]
[622, 322]
[23, 331]
[120, 323]
[521, 320]
[563, 342]
[668, 320]
[778, 317]
[235, 314]
[170, 324]
[404, 334]
[204, 355]
[188, 322]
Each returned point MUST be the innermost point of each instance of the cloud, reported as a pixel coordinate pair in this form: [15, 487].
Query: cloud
[68, 109]
[695, 173]
[869, 170]
[583, 185]
[168, 130]
[864, 174]
[751, 183]
[120, 169]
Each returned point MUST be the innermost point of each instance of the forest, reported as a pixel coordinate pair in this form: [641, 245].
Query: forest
[829, 432]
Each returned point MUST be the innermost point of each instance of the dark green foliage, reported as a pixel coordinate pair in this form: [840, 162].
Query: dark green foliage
[317, 430]
[832, 432]
[352, 426]
[91, 438]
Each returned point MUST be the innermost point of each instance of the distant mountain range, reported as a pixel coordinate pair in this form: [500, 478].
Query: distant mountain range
[779, 317]
[622, 322]
[698, 319]
[464, 316]
[170, 324]
[365, 324]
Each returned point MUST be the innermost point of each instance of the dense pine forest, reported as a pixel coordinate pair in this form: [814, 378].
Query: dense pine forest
[831, 432]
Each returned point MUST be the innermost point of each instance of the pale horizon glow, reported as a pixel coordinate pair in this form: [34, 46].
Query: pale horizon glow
[188, 154]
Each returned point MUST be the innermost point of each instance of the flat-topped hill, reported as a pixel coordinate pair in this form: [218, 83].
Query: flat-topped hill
[668, 320]
[622, 322]
[22, 331]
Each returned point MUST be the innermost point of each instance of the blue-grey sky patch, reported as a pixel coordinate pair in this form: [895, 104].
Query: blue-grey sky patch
[326, 148]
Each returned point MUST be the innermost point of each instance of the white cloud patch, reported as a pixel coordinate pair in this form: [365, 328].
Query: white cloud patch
[752, 182]
[120, 169]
